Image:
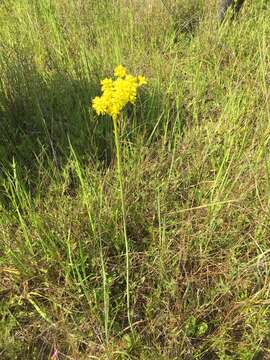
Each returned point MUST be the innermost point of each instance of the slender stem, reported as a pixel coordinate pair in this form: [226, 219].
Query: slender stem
[120, 178]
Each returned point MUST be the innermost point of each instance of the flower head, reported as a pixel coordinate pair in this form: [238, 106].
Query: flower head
[117, 93]
[120, 71]
[142, 80]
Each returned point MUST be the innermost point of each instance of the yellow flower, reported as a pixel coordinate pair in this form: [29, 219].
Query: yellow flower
[142, 80]
[106, 84]
[99, 105]
[120, 71]
[117, 93]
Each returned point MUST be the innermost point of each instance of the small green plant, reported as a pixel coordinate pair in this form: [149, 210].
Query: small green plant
[195, 328]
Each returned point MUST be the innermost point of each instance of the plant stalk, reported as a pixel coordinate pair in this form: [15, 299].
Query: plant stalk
[120, 179]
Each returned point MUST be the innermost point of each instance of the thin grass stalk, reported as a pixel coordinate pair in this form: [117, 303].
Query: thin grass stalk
[106, 297]
[120, 179]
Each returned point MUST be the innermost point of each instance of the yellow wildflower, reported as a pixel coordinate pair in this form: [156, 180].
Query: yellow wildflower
[142, 80]
[117, 93]
[120, 71]
[106, 84]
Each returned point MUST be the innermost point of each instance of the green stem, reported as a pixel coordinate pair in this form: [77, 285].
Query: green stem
[120, 178]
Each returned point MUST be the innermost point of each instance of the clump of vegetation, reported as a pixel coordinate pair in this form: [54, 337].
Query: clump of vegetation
[145, 237]
[186, 15]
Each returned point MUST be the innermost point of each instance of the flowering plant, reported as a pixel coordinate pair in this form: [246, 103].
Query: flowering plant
[116, 95]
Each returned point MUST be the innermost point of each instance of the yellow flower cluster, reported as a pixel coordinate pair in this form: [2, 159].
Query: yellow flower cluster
[117, 93]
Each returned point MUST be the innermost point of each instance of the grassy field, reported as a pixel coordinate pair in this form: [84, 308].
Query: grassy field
[176, 264]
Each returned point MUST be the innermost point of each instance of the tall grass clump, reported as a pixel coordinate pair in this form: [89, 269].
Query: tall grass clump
[144, 233]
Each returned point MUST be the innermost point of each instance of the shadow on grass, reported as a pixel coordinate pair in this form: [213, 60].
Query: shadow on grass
[41, 116]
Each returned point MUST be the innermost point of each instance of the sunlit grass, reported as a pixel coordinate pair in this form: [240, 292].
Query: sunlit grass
[194, 181]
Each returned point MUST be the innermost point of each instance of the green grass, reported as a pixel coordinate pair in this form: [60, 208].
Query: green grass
[196, 182]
